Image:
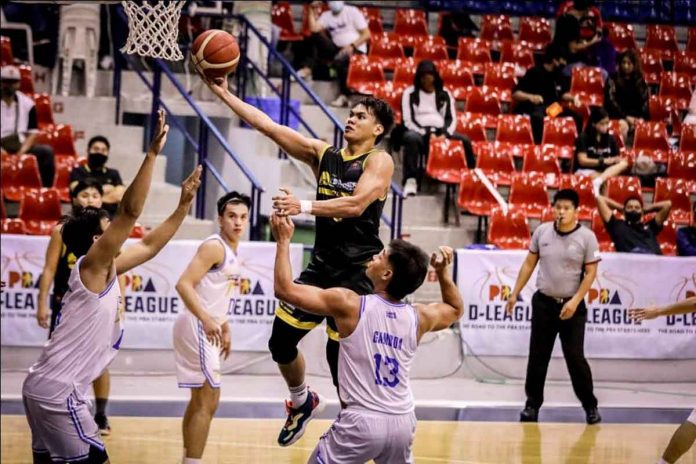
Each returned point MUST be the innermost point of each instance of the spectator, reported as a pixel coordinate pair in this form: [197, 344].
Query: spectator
[543, 86]
[686, 236]
[626, 93]
[596, 150]
[19, 125]
[455, 25]
[109, 179]
[428, 111]
[348, 33]
[631, 235]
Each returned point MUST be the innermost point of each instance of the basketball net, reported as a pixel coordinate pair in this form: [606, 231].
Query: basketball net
[153, 29]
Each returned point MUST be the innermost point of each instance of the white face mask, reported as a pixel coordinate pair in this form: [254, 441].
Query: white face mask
[336, 7]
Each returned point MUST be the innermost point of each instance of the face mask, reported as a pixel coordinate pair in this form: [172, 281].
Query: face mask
[96, 160]
[633, 217]
[8, 91]
[336, 7]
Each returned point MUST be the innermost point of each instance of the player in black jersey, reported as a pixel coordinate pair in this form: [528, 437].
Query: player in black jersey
[353, 183]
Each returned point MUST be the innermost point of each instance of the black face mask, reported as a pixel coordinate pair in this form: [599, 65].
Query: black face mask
[633, 217]
[96, 160]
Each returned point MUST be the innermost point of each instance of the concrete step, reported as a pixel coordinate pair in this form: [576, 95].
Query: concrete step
[129, 164]
[191, 228]
[161, 200]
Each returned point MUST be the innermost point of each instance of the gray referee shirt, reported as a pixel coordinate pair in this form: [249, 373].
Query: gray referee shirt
[562, 257]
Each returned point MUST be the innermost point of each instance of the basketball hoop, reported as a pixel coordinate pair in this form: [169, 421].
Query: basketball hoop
[153, 29]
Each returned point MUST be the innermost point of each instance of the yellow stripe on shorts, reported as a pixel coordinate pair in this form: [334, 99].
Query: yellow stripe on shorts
[292, 321]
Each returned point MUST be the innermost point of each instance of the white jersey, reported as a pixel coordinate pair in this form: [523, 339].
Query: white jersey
[219, 284]
[87, 337]
[375, 360]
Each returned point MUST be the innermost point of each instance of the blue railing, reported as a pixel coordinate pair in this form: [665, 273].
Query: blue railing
[286, 109]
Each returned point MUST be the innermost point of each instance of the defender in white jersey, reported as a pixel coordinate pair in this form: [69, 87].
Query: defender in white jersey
[379, 335]
[685, 436]
[89, 328]
[202, 332]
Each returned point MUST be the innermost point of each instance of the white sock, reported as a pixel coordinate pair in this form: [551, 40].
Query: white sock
[192, 461]
[298, 395]
[662, 461]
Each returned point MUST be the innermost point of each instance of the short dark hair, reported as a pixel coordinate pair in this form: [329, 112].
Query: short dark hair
[233, 198]
[381, 111]
[99, 138]
[409, 267]
[597, 114]
[84, 185]
[552, 52]
[567, 194]
[80, 227]
[638, 198]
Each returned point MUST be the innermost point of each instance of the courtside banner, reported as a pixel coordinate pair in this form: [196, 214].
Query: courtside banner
[151, 302]
[486, 278]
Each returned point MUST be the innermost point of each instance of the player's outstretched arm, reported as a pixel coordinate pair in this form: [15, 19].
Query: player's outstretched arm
[208, 256]
[373, 184]
[525, 273]
[100, 257]
[55, 244]
[682, 307]
[298, 146]
[438, 316]
[336, 302]
[154, 241]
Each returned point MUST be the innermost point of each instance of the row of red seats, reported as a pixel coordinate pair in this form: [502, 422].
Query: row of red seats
[20, 175]
[510, 231]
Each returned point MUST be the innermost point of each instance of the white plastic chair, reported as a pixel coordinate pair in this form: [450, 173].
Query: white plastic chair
[78, 40]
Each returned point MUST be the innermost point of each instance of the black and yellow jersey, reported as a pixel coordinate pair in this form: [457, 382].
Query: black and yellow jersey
[66, 262]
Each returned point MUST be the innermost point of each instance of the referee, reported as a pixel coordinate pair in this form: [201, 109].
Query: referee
[568, 255]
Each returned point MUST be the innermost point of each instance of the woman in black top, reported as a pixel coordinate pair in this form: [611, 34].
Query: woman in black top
[626, 92]
[596, 150]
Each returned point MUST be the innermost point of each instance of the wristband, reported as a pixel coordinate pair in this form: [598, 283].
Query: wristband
[306, 206]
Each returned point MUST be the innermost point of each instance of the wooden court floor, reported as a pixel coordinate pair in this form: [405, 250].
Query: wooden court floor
[158, 440]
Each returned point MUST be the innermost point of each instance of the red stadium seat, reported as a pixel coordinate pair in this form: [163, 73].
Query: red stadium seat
[535, 33]
[391, 95]
[496, 28]
[685, 62]
[665, 110]
[26, 82]
[615, 130]
[364, 76]
[620, 188]
[667, 238]
[508, 231]
[691, 40]
[561, 132]
[13, 226]
[432, 50]
[621, 36]
[663, 38]
[6, 56]
[651, 138]
[446, 160]
[471, 126]
[61, 181]
[374, 20]
[410, 28]
[543, 159]
[475, 51]
[587, 83]
[515, 129]
[40, 210]
[457, 78]
[651, 63]
[20, 175]
[603, 238]
[547, 215]
[406, 13]
[496, 163]
[676, 86]
[687, 141]
[138, 231]
[474, 196]
[281, 16]
[488, 106]
[682, 165]
[675, 190]
[404, 72]
[518, 54]
[500, 78]
[582, 185]
[385, 51]
[44, 111]
[528, 192]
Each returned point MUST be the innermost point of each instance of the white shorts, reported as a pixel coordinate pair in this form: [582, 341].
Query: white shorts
[197, 360]
[358, 436]
[65, 430]
[692, 417]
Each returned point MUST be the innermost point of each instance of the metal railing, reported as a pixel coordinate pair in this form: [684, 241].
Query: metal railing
[286, 109]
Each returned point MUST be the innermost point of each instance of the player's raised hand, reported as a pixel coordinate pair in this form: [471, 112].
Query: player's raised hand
[640, 314]
[189, 187]
[440, 261]
[217, 85]
[282, 228]
[286, 205]
[161, 135]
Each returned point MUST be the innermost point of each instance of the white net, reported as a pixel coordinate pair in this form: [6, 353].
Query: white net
[153, 29]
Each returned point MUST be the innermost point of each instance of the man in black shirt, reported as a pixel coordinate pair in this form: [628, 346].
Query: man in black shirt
[95, 169]
[542, 86]
[631, 235]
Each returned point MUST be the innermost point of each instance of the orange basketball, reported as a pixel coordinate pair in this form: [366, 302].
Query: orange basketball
[215, 52]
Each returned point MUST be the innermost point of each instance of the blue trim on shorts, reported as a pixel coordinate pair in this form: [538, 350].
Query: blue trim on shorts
[190, 385]
[201, 356]
[319, 458]
[78, 427]
[61, 459]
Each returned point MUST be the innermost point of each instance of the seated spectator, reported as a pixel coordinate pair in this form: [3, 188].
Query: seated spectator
[631, 235]
[428, 111]
[19, 127]
[336, 35]
[455, 25]
[95, 169]
[686, 236]
[596, 150]
[626, 93]
[543, 86]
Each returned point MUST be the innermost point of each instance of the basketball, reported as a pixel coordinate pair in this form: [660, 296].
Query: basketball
[215, 52]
